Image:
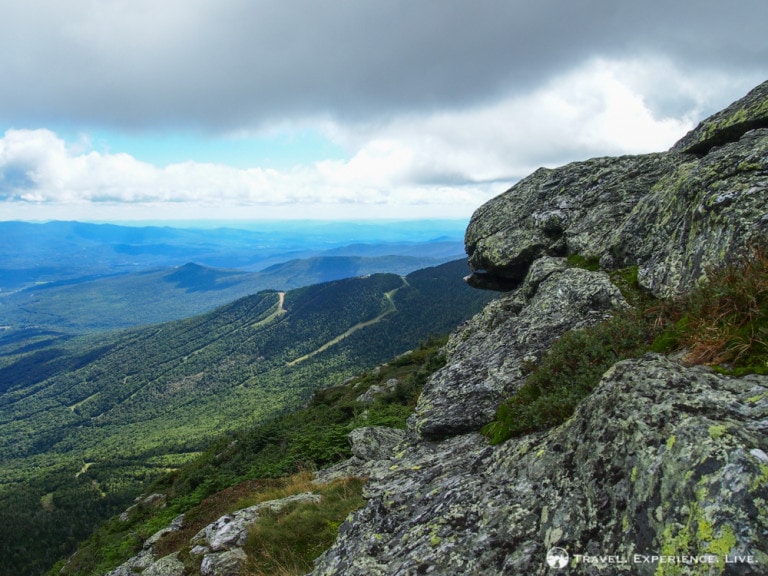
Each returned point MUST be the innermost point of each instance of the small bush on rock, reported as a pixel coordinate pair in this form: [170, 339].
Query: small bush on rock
[567, 374]
[722, 323]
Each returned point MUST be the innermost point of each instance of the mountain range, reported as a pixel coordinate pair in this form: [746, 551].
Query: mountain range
[75, 277]
[605, 414]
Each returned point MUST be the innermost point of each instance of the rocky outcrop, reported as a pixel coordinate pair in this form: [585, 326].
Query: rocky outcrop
[217, 548]
[673, 214]
[487, 357]
[573, 209]
[661, 460]
[701, 215]
[748, 113]
[663, 469]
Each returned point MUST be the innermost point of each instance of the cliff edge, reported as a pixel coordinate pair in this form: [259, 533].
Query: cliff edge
[663, 469]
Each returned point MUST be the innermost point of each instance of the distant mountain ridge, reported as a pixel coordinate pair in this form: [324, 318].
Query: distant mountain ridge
[75, 277]
[52, 251]
[125, 300]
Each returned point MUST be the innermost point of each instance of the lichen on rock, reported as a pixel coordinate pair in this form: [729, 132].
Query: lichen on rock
[607, 482]
[487, 358]
[663, 463]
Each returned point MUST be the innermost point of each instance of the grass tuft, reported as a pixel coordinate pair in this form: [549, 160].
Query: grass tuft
[285, 543]
[723, 323]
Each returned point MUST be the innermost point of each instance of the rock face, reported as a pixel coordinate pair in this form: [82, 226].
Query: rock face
[573, 209]
[487, 356]
[664, 468]
[660, 460]
[747, 114]
[704, 213]
[673, 214]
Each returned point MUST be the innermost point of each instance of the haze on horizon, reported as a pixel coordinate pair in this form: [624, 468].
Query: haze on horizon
[258, 109]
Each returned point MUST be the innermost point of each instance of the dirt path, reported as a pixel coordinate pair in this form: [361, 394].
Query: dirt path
[390, 308]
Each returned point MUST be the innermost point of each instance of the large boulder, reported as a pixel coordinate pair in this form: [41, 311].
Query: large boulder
[675, 214]
[487, 358]
[231, 530]
[556, 212]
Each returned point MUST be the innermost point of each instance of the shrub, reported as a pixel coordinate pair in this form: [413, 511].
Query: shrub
[723, 322]
[286, 542]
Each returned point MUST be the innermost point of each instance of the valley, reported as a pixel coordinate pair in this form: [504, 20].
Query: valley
[87, 419]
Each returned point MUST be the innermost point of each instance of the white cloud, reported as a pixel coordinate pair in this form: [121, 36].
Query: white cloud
[444, 163]
[599, 108]
[47, 173]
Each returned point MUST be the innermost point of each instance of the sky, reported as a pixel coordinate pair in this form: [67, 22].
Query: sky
[121, 110]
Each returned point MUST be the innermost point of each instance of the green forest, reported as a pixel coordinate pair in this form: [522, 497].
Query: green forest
[86, 422]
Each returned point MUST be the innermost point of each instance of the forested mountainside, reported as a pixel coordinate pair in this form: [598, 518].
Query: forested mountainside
[86, 421]
[607, 414]
[160, 295]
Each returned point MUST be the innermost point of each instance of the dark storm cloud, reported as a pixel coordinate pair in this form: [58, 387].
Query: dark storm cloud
[223, 64]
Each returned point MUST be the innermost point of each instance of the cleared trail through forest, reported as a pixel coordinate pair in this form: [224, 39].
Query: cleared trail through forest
[390, 308]
[280, 310]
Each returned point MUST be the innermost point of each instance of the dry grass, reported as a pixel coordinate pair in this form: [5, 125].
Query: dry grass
[285, 543]
[277, 488]
[282, 543]
[725, 321]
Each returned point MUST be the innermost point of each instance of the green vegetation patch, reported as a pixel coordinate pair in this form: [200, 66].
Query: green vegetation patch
[567, 374]
[590, 263]
[266, 462]
[286, 542]
[722, 323]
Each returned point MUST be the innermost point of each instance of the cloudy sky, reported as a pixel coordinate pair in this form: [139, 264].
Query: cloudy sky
[253, 109]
